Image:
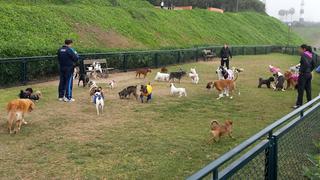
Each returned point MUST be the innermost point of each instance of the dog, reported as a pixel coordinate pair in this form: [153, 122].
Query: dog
[146, 91]
[162, 77]
[92, 84]
[99, 101]
[76, 72]
[218, 130]
[143, 72]
[279, 82]
[177, 75]
[194, 76]
[227, 74]
[97, 67]
[180, 91]
[224, 87]
[93, 90]
[274, 70]
[164, 70]
[16, 110]
[266, 82]
[292, 79]
[84, 78]
[28, 94]
[295, 69]
[111, 84]
[126, 92]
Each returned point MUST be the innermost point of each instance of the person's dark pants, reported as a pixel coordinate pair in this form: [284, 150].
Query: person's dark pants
[225, 61]
[148, 97]
[304, 84]
[66, 82]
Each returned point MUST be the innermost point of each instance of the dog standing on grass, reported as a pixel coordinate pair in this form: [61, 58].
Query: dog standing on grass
[16, 110]
[218, 130]
[99, 102]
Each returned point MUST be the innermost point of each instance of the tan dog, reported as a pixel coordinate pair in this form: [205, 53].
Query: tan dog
[292, 79]
[164, 70]
[16, 110]
[218, 130]
[224, 87]
[143, 72]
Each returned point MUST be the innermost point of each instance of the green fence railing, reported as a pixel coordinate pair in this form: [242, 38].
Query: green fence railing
[24, 69]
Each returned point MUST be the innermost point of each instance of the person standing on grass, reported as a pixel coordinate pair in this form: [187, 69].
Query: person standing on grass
[305, 76]
[162, 4]
[67, 57]
[225, 55]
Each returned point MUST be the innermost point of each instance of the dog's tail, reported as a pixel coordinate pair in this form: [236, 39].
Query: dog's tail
[214, 124]
[236, 74]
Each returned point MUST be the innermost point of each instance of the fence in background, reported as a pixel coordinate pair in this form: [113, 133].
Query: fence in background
[280, 151]
[25, 69]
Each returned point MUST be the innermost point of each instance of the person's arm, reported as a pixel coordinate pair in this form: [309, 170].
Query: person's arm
[73, 55]
[302, 65]
[221, 52]
[230, 54]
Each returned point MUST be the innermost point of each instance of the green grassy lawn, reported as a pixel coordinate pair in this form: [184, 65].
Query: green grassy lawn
[165, 139]
[32, 28]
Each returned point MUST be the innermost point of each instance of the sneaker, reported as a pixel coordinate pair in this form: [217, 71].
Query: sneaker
[295, 107]
[61, 99]
[69, 100]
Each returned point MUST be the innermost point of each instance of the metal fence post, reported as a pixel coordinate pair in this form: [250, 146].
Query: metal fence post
[215, 174]
[196, 54]
[125, 63]
[179, 57]
[24, 71]
[271, 165]
[243, 51]
[255, 50]
[156, 60]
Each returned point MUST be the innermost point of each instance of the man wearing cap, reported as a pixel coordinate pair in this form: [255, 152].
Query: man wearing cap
[67, 57]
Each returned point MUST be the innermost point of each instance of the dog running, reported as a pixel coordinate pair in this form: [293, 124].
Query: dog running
[218, 130]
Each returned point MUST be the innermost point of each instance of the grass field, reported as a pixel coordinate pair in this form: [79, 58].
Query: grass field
[309, 33]
[165, 139]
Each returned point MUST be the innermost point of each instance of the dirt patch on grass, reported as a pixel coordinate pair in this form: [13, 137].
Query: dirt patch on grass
[91, 35]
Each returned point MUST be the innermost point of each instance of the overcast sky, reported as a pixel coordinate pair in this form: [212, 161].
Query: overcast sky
[312, 8]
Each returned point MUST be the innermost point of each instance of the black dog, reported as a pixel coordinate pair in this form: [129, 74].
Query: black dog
[84, 78]
[266, 82]
[25, 94]
[279, 81]
[128, 91]
[177, 75]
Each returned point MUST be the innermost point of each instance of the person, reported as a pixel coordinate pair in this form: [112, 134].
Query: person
[305, 76]
[162, 4]
[67, 57]
[147, 91]
[225, 54]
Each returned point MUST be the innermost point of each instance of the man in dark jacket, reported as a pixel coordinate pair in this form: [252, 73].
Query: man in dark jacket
[67, 57]
[225, 54]
[305, 76]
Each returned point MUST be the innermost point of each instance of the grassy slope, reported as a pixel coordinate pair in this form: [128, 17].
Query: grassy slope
[162, 140]
[38, 29]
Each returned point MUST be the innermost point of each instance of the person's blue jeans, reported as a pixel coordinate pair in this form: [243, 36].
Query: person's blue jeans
[66, 82]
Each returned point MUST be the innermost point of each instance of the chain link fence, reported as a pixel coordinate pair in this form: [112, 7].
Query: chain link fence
[15, 71]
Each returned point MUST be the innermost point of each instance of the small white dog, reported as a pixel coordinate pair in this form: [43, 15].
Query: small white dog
[97, 66]
[99, 101]
[162, 77]
[92, 84]
[194, 76]
[111, 84]
[180, 91]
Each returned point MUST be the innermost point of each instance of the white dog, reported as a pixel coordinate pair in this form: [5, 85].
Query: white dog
[194, 76]
[92, 84]
[180, 91]
[111, 84]
[162, 77]
[224, 73]
[97, 67]
[99, 101]
[295, 69]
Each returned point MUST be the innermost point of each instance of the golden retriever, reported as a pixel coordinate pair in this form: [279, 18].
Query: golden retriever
[16, 110]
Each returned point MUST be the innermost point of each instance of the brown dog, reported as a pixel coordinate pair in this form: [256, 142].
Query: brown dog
[224, 87]
[143, 72]
[164, 70]
[217, 130]
[292, 79]
[16, 110]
